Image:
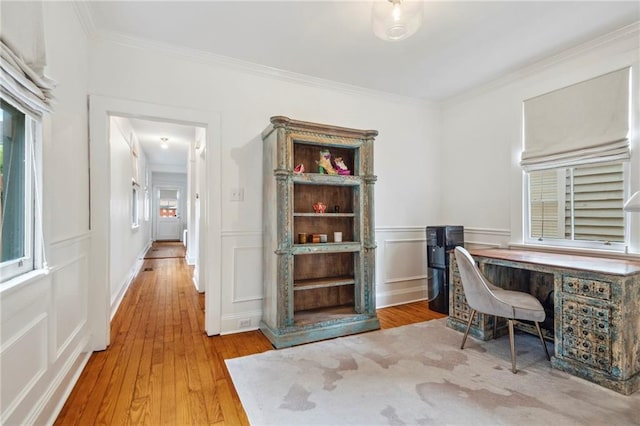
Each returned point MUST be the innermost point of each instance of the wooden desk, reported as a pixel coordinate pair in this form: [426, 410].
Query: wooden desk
[596, 326]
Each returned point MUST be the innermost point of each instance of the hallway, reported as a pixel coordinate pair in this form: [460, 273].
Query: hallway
[161, 368]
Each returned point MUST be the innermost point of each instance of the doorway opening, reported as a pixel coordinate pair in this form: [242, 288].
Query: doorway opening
[168, 197]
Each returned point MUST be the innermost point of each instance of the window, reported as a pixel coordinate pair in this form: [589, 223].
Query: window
[579, 204]
[146, 206]
[576, 154]
[17, 192]
[135, 222]
[168, 204]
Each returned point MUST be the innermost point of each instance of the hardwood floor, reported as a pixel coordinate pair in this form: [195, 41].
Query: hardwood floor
[161, 368]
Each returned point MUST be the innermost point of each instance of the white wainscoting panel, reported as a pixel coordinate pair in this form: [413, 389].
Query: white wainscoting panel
[69, 289]
[44, 339]
[404, 259]
[247, 270]
[486, 238]
[23, 359]
[242, 288]
[401, 268]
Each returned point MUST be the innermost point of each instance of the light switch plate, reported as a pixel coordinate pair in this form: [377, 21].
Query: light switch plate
[237, 194]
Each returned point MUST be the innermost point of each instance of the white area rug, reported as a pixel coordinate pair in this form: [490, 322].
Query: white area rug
[417, 375]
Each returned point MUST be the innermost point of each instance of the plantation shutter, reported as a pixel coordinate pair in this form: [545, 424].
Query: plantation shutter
[584, 123]
[597, 203]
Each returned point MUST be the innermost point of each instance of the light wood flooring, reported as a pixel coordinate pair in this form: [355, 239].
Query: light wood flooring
[161, 368]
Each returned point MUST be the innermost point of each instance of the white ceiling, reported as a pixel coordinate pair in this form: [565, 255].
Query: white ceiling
[179, 139]
[461, 44]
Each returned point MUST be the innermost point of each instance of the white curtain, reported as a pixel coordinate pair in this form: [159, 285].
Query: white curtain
[584, 123]
[23, 58]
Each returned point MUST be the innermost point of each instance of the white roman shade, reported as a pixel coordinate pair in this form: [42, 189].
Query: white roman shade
[22, 57]
[585, 123]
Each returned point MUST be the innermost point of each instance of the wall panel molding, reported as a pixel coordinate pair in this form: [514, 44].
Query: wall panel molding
[63, 297]
[238, 266]
[407, 279]
[241, 233]
[70, 240]
[55, 396]
[33, 355]
[401, 273]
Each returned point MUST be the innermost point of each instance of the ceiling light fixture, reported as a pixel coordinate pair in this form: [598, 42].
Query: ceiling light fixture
[394, 20]
[164, 144]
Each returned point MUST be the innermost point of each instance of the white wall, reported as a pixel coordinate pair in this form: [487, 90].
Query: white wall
[406, 152]
[482, 139]
[127, 244]
[45, 333]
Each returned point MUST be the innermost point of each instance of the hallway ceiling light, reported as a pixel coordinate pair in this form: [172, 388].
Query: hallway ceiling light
[394, 20]
[164, 144]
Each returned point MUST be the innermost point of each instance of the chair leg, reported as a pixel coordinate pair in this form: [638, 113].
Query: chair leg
[546, 351]
[464, 339]
[513, 347]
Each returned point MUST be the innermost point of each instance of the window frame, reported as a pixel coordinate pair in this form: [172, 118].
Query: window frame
[32, 259]
[621, 247]
[135, 207]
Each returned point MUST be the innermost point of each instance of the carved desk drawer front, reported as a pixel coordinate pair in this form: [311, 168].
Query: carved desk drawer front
[586, 287]
[461, 309]
[586, 334]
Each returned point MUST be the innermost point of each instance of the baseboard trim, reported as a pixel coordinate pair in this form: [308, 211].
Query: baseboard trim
[67, 370]
[133, 272]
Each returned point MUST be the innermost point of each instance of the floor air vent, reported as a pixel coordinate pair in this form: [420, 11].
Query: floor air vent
[147, 269]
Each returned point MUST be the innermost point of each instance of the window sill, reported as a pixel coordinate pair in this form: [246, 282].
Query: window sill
[612, 254]
[22, 280]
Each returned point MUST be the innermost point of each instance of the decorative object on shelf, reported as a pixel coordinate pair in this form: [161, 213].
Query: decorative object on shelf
[323, 238]
[319, 207]
[340, 167]
[337, 237]
[395, 20]
[324, 164]
[302, 238]
[315, 238]
[336, 209]
[299, 169]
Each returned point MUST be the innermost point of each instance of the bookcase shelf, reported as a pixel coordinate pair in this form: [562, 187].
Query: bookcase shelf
[315, 291]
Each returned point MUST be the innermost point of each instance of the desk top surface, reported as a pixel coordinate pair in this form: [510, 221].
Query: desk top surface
[621, 267]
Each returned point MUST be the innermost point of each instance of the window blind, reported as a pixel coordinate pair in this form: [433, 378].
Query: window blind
[585, 123]
[544, 205]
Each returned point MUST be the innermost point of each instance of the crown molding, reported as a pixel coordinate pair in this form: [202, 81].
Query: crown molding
[207, 58]
[629, 32]
[85, 17]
